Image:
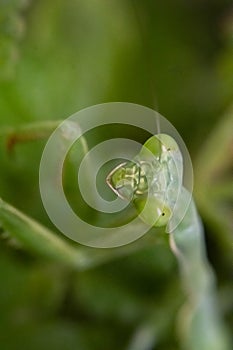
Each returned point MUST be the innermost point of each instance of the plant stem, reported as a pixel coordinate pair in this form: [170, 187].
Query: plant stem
[211, 189]
[201, 327]
[38, 239]
[32, 132]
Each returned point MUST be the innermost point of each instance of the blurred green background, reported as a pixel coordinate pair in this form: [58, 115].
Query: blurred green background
[58, 57]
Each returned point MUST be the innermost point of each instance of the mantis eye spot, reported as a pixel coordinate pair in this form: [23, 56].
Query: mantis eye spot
[168, 149]
[163, 214]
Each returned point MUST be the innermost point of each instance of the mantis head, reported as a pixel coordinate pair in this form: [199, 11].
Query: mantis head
[145, 181]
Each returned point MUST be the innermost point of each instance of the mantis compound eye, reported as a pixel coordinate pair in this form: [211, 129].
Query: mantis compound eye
[156, 213]
[157, 145]
[168, 143]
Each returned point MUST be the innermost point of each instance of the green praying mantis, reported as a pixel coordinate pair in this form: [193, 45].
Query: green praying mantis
[153, 182]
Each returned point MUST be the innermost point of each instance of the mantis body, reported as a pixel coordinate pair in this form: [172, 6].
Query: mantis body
[153, 181]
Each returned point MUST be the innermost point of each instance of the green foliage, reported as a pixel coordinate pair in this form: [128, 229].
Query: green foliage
[11, 30]
[59, 295]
